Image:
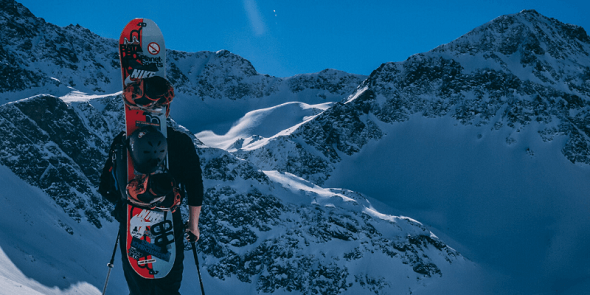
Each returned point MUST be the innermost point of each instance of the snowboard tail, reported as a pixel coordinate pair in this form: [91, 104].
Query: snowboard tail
[150, 244]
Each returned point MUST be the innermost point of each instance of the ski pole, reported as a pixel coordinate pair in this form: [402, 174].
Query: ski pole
[192, 238]
[198, 269]
[110, 265]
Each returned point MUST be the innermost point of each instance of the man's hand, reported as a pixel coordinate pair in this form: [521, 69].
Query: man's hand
[193, 233]
[192, 228]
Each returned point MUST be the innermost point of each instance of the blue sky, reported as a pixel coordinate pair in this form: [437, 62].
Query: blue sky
[287, 37]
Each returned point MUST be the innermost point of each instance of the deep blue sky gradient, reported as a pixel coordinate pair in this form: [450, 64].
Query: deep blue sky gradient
[287, 37]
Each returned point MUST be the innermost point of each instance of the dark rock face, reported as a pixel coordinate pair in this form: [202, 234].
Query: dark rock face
[239, 231]
[35, 51]
[47, 144]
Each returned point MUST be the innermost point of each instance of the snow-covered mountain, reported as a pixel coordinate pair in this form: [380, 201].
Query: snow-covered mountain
[263, 230]
[491, 76]
[484, 138]
[48, 144]
[39, 57]
[266, 230]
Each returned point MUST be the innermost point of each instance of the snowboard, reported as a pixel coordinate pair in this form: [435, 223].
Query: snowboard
[150, 244]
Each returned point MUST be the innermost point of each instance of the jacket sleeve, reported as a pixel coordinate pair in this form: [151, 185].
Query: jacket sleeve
[190, 175]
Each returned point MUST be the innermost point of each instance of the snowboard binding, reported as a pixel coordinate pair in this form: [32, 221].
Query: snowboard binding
[149, 94]
[154, 192]
[152, 187]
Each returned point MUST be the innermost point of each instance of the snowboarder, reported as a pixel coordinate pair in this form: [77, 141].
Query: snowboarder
[148, 149]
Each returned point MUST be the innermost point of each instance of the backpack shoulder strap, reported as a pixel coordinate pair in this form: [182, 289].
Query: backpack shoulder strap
[119, 162]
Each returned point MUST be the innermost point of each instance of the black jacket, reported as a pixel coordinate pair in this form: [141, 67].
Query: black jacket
[183, 162]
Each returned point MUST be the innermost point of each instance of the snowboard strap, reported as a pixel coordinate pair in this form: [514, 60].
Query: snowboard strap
[149, 94]
[157, 192]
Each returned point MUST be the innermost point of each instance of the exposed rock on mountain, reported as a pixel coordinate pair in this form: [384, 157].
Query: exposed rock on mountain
[48, 144]
[267, 241]
[37, 54]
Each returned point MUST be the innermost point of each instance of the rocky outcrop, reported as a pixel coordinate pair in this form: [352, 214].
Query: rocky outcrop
[46, 143]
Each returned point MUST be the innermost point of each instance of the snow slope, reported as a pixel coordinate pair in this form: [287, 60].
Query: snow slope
[262, 123]
[261, 231]
[508, 200]
[504, 197]
[519, 209]
[43, 251]
[219, 106]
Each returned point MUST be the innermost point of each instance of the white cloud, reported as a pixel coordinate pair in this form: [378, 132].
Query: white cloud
[254, 17]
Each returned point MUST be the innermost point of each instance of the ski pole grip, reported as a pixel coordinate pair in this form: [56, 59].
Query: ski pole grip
[190, 236]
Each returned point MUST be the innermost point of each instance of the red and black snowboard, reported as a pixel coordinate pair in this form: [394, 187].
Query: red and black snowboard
[150, 240]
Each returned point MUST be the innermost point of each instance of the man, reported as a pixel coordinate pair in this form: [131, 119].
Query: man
[185, 172]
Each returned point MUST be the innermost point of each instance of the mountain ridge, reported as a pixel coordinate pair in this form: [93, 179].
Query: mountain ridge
[33, 49]
[466, 86]
[426, 135]
[523, 105]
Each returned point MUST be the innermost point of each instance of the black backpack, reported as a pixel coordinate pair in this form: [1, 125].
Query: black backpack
[113, 177]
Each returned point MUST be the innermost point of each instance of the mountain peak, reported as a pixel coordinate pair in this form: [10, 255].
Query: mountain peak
[241, 65]
[529, 34]
[17, 21]
[529, 12]
[15, 9]
[540, 25]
